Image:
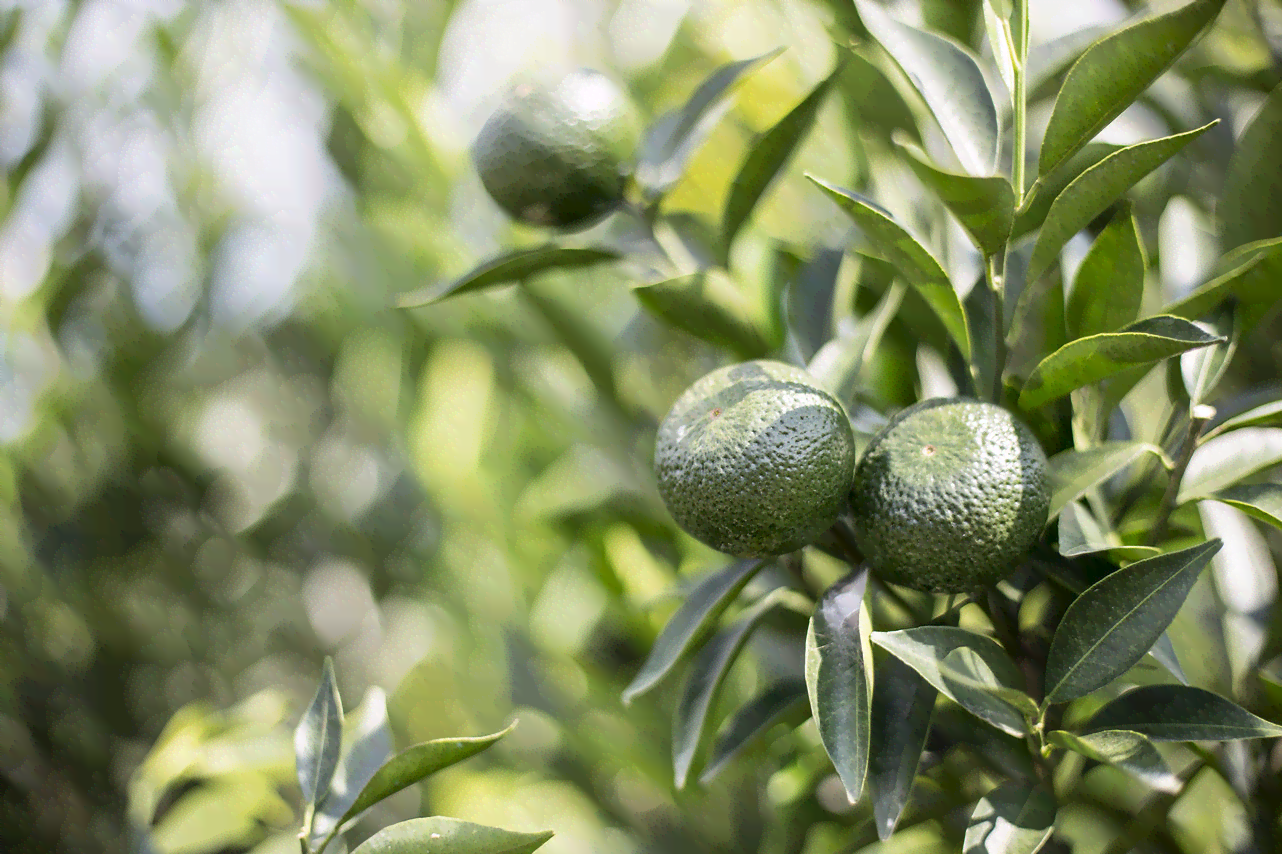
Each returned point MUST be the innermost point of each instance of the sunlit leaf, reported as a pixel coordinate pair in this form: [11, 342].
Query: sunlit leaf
[810, 298]
[1047, 61]
[1014, 818]
[1074, 472]
[783, 703]
[439, 835]
[1261, 501]
[370, 746]
[512, 267]
[1080, 534]
[1250, 205]
[1044, 192]
[1203, 369]
[1001, 41]
[318, 739]
[1129, 751]
[1249, 274]
[1229, 458]
[1264, 415]
[1180, 713]
[902, 702]
[985, 206]
[1109, 284]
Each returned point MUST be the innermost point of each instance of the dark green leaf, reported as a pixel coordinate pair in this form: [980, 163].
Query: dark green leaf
[1080, 534]
[838, 677]
[318, 739]
[707, 673]
[1181, 713]
[692, 622]
[810, 296]
[902, 702]
[766, 156]
[1111, 626]
[1265, 415]
[1229, 458]
[971, 669]
[1203, 369]
[1250, 206]
[949, 80]
[1074, 472]
[1014, 818]
[985, 206]
[439, 835]
[782, 703]
[1109, 284]
[1261, 501]
[512, 267]
[981, 319]
[912, 259]
[1250, 274]
[669, 144]
[710, 305]
[1113, 72]
[1129, 751]
[1098, 357]
[1044, 192]
[1091, 192]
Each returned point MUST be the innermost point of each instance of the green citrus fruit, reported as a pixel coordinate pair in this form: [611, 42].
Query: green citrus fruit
[558, 151]
[755, 459]
[950, 496]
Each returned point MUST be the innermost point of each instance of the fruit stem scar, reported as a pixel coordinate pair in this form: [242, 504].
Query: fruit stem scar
[928, 451]
[716, 412]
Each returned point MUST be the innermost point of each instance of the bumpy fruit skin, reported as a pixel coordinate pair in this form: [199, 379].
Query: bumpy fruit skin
[950, 496]
[755, 459]
[558, 151]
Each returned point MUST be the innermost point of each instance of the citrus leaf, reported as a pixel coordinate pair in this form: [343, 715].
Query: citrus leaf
[985, 206]
[1261, 501]
[1037, 203]
[1074, 472]
[693, 621]
[1100, 356]
[839, 363]
[981, 306]
[783, 703]
[1002, 42]
[766, 156]
[511, 267]
[1181, 713]
[709, 305]
[838, 675]
[1163, 653]
[810, 298]
[1250, 274]
[902, 703]
[318, 739]
[1203, 369]
[370, 746]
[670, 142]
[439, 835]
[1229, 458]
[971, 669]
[1115, 622]
[1090, 193]
[910, 257]
[1109, 284]
[707, 672]
[1129, 751]
[1048, 61]
[1250, 206]
[1080, 534]
[1014, 818]
[949, 80]
[1113, 72]
[1260, 416]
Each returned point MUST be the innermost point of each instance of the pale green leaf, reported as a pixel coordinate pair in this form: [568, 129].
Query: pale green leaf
[1014, 818]
[439, 835]
[1250, 206]
[512, 267]
[1129, 751]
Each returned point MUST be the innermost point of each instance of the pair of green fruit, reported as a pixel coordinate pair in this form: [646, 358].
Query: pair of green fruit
[756, 459]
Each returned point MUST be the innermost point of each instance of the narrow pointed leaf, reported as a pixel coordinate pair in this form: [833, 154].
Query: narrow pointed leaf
[512, 267]
[1080, 534]
[1097, 357]
[1265, 415]
[810, 298]
[318, 739]
[1109, 284]
[1181, 713]
[1229, 458]
[1203, 369]
[692, 622]
[1001, 41]
[1048, 61]
[1250, 206]
[1075, 472]
[949, 80]
[370, 747]
[1111, 626]
[710, 305]
[766, 157]
[1163, 653]
[1129, 751]
[902, 702]
[1014, 818]
[782, 703]
[985, 206]
[1044, 192]
[971, 669]
[1261, 501]
[439, 835]
[910, 257]
[1090, 193]
[838, 676]
[1113, 72]
[1250, 274]
[707, 673]
[981, 306]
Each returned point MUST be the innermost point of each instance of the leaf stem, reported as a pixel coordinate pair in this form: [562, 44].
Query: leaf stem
[1201, 415]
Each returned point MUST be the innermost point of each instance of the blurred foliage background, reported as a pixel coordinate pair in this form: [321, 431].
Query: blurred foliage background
[223, 455]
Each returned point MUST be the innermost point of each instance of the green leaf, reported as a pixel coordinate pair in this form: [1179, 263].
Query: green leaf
[839, 364]
[439, 835]
[902, 703]
[971, 669]
[810, 298]
[1087, 360]
[1261, 501]
[1203, 369]
[1163, 653]
[1014, 818]
[1002, 41]
[912, 259]
[1229, 458]
[513, 267]
[1265, 415]
[1075, 472]
[1090, 193]
[1044, 192]
[225, 813]
[783, 703]
[1113, 72]
[1250, 274]
[1048, 61]
[1250, 206]
[981, 306]
[1129, 751]
[766, 156]
[1181, 713]
[318, 739]
[838, 679]
[710, 305]
[985, 206]
[707, 673]
[370, 746]
[1109, 284]
[1115, 622]
[949, 80]
[692, 622]
[671, 141]
[1080, 534]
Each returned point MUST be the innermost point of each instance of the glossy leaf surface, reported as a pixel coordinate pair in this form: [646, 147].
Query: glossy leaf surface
[984, 205]
[1181, 713]
[1074, 472]
[318, 739]
[1129, 751]
[439, 835]
[512, 267]
[902, 702]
